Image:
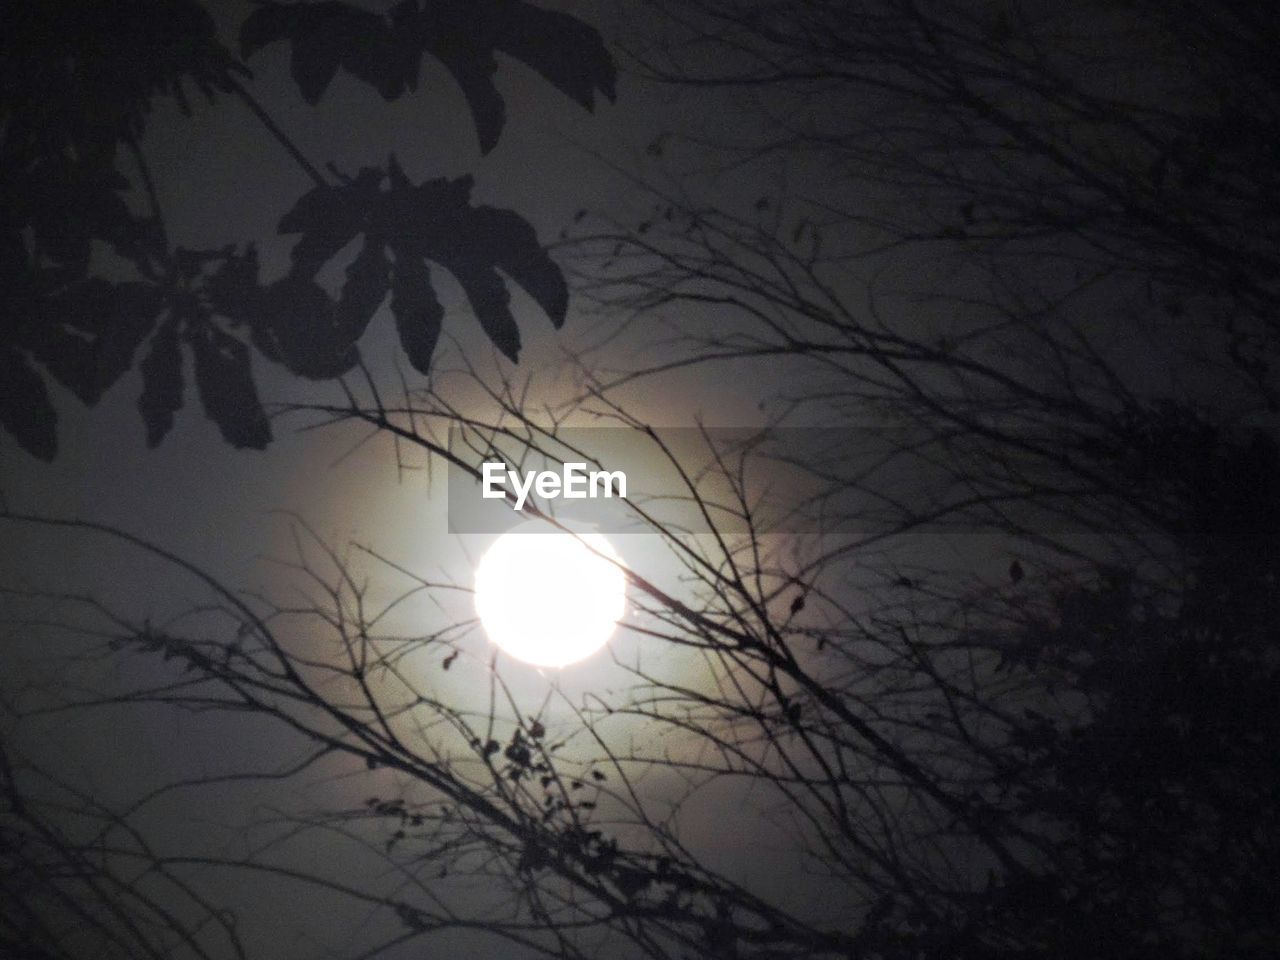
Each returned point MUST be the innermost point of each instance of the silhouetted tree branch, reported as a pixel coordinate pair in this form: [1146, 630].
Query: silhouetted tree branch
[1052, 743]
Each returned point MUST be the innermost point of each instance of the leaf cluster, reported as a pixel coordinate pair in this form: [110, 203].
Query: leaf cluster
[91, 283]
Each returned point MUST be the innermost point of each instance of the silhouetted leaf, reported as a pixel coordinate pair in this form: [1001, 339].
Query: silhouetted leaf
[324, 36]
[92, 331]
[417, 311]
[89, 70]
[436, 220]
[79, 80]
[83, 77]
[56, 227]
[432, 221]
[507, 240]
[25, 410]
[315, 61]
[294, 322]
[473, 70]
[567, 52]
[162, 384]
[382, 51]
[389, 59]
[268, 23]
[368, 280]
[233, 289]
[464, 35]
[492, 306]
[329, 218]
[298, 327]
[226, 387]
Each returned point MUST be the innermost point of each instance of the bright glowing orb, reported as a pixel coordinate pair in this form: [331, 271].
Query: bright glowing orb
[550, 599]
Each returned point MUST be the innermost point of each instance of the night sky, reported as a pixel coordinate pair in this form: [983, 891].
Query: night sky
[1061, 356]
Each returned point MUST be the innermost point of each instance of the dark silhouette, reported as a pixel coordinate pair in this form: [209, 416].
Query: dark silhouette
[79, 82]
[1061, 755]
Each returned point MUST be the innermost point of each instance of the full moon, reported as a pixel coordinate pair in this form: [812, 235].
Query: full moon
[550, 599]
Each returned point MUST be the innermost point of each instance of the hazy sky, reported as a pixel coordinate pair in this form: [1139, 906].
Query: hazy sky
[221, 179]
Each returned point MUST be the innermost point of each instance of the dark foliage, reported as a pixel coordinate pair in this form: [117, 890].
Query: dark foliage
[433, 221]
[1072, 756]
[78, 83]
[386, 51]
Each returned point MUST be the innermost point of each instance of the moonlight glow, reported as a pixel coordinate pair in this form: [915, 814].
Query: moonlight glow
[547, 598]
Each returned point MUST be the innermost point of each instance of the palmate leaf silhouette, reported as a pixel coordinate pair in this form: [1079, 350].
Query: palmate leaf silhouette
[161, 383]
[405, 227]
[223, 376]
[386, 51]
[79, 81]
[94, 329]
[25, 410]
[226, 387]
[83, 73]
